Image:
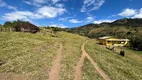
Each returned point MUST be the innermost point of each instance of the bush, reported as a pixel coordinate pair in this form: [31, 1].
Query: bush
[136, 42]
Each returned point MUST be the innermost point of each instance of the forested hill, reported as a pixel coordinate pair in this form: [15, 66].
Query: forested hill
[126, 23]
[123, 28]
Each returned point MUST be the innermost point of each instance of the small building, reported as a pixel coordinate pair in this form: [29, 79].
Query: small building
[102, 40]
[109, 40]
[117, 42]
[27, 27]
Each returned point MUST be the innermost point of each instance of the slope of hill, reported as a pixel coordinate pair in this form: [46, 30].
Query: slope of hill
[123, 28]
[27, 56]
[30, 56]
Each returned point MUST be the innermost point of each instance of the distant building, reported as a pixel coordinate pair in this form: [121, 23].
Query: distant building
[117, 42]
[109, 40]
[102, 40]
[27, 27]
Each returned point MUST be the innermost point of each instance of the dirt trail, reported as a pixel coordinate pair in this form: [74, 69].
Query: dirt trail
[79, 67]
[80, 64]
[55, 70]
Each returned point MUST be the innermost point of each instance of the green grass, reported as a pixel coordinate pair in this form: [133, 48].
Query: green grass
[26, 53]
[89, 72]
[116, 66]
[71, 54]
[32, 55]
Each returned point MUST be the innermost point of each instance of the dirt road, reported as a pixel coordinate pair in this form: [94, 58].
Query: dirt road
[80, 65]
[55, 70]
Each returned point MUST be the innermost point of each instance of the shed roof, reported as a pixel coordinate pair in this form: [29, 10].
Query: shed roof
[105, 37]
[117, 40]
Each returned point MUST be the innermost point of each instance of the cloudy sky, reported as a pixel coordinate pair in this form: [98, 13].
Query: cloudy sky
[68, 13]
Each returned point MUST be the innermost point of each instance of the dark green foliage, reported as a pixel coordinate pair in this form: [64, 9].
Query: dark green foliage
[21, 26]
[129, 33]
[0, 27]
[136, 42]
[123, 28]
[8, 24]
[128, 22]
[55, 29]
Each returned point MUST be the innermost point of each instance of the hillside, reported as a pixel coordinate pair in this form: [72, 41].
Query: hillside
[26, 55]
[66, 56]
[123, 28]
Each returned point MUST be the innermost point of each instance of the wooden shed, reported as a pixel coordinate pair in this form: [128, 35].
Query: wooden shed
[27, 27]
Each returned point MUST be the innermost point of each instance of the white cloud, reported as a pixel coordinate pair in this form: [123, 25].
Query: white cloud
[132, 13]
[21, 15]
[2, 4]
[43, 12]
[90, 19]
[91, 5]
[138, 15]
[39, 1]
[55, 1]
[64, 19]
[103, 20]
[33, 3]
[60, 5]
[28, 2]
[128, 12]
[112, 16]
[12, 7]
[50, 12]
[75, 21]
[58, 25]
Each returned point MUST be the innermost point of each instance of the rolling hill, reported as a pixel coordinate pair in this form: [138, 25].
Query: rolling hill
[123, 28]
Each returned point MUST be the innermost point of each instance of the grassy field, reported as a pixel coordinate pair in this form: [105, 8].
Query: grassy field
[116, 66]
[89, 72]
[27, 56]
[71, 54]
[30, 56]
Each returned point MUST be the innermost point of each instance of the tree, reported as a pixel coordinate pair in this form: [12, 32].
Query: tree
[8, 24]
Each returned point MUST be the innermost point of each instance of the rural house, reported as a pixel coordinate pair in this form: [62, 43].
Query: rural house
[102, 40]
[109, 40]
